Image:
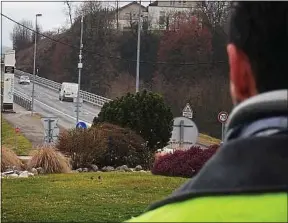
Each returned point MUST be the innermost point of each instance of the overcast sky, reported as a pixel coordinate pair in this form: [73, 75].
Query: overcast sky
[53, 15]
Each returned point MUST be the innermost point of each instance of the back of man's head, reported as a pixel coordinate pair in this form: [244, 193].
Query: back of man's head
[260, 31]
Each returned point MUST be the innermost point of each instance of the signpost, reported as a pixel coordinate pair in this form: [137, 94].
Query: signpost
[81, 125]
[51, 129]
[187, 111]
[78, 106]
[222, 118]
[185, 132]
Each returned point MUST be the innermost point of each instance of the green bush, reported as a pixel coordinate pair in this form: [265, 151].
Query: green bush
[104, 145]
[145, 113]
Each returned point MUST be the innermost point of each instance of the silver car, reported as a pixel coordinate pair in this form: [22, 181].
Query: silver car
[24, 80]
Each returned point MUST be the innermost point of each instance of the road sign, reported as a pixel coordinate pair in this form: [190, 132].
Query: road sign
[52, 121]
[51, 129]
[187, 111]
[75, 100]
[81, 125]
[52, 135]
[184, 134]
[222, 116]
[9, 69]
[78, 106]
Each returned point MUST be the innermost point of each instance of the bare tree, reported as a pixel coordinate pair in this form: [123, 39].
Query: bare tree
[69, 6]
[214, 14]
[99, 37]
[22, 36]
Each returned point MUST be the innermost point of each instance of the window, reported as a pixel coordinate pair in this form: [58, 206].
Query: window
[162, 18]
[127, 16]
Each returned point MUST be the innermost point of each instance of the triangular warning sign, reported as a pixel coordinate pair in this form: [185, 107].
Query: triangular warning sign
[187, 108]
[187, 111]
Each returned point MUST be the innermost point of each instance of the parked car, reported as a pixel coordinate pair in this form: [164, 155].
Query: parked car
[24, 80]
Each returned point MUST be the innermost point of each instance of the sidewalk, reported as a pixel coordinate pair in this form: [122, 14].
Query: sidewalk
[30, 127]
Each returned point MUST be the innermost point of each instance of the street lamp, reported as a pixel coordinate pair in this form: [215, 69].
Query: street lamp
[138, 48]
[34, 65]
[80, 65]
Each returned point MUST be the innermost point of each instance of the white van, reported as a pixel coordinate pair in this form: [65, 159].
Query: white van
[68, 91]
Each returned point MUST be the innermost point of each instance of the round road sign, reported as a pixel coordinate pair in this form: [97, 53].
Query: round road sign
[81, 125]
[222, 116]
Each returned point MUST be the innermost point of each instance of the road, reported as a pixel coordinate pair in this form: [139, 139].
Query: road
[47, 103]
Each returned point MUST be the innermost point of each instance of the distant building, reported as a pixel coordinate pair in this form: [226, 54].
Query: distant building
[129, 15]
[159, 14]
[162, 13]
[175, 3]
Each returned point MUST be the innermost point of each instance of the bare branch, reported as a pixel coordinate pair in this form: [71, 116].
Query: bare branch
[69, 5]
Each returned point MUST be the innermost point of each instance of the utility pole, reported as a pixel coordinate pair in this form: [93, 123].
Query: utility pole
[117, 11]
[80, 65]
[34, 65]
[138, 49]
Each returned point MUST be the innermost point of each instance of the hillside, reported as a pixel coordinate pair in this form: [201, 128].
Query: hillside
[187, 65]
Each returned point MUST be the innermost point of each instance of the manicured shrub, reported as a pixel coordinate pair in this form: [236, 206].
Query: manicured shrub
[145, 113]
[183, 163]
[50, 160]
[104, 145]
[10, 159]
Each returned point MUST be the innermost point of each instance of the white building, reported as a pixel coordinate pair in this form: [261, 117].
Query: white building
[175, 3]
[162, 13]
[159, 14]
[128, 15]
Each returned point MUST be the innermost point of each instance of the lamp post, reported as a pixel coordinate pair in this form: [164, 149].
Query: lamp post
[138, 49]
[80, 65]
[34, 65]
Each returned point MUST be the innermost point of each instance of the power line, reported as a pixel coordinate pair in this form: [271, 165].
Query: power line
[113, 57]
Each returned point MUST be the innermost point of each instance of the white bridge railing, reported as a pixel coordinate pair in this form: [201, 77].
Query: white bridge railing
[85, 95]
[22, 100]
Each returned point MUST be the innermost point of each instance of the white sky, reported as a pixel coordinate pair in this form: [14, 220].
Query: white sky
[53, 15]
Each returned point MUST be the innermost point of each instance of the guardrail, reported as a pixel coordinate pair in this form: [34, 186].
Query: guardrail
[85, 95]
[23, 101]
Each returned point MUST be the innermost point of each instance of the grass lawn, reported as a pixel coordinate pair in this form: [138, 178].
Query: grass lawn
[207, 140]
[8, 134]
[77, 197]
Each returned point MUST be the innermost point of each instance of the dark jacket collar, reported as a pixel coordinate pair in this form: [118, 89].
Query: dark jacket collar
[270, 104]
[246, 165]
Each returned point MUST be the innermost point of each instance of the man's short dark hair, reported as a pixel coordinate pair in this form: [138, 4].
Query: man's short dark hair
[260, 30]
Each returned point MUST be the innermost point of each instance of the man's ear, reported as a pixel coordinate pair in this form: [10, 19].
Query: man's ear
[242, 81]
